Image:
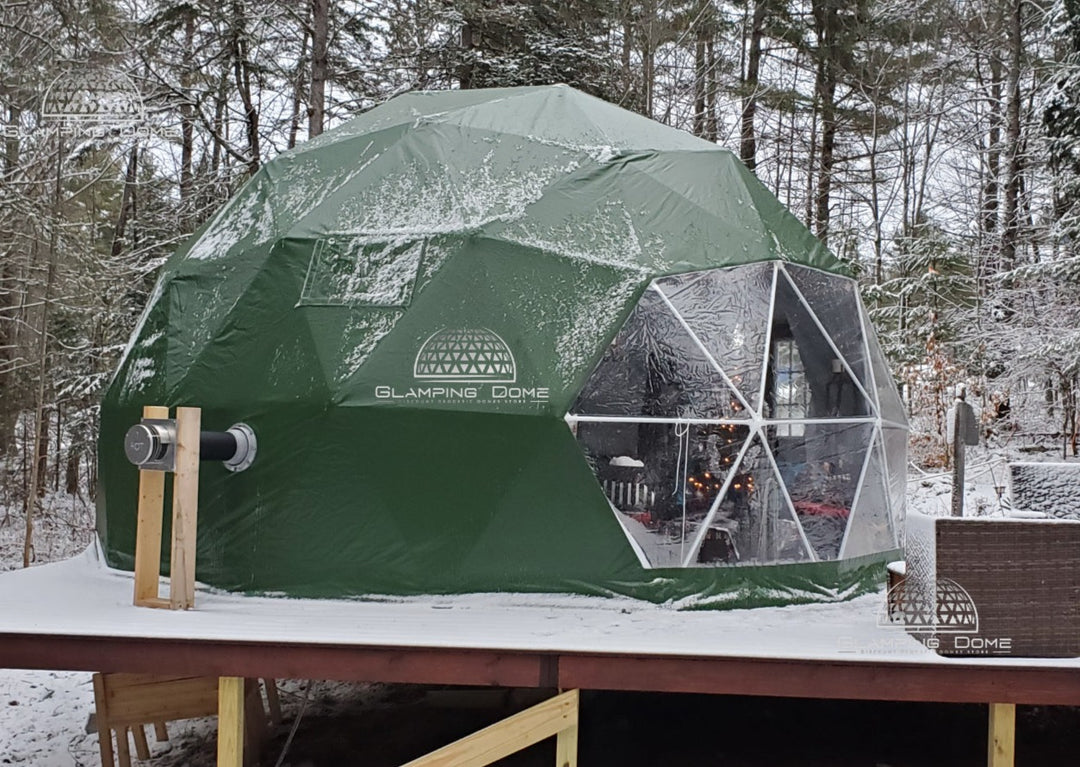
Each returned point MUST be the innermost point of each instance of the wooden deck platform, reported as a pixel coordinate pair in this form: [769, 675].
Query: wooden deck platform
[78, 615]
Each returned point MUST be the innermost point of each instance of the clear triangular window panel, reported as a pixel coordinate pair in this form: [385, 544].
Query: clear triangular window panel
[896, 469]
[892, 407]
[835, 302]
[661, 479]
[728, 310]
[754, 523]
[806, 379]
[655, 369]
[821, 471]
[870, 528]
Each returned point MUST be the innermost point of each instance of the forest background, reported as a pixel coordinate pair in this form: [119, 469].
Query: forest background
[934, 145]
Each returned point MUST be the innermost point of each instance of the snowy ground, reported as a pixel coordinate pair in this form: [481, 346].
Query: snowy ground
[44, 714]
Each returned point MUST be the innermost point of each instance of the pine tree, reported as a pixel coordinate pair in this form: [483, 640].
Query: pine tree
[530, 42]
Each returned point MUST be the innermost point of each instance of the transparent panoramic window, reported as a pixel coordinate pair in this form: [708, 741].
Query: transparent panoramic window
[660, 478]
[654, 368]
[665, 422]
[753, 523]
[832, 391]
[870, 530]
[791, 393]
[892, 407]
[821, 473]
[728, 310]
[895, 441]
[835, 302]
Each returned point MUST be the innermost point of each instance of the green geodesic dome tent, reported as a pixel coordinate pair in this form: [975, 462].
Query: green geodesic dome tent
[519, 340]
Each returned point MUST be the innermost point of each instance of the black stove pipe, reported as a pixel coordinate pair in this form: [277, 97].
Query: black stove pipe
[216, 446]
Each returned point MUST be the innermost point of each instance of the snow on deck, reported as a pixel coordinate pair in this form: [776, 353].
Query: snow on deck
[83, 597]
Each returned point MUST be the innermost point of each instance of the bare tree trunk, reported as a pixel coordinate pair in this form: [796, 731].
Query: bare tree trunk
[465, 71]
[59, 444]
[43, 349]
[127, 201]
[748, 135]
[875, 204]
[989, 216]
[9, 406]
[187, 128]
[825, 89]
[219, 127]
[320, 12]
[1011, 224]
[298, 83]
[648, 56]
[699, 83]
[1069, 426]
[811, 161]
[71, 473]
[711, 132]
[41, 454]
[242, 75]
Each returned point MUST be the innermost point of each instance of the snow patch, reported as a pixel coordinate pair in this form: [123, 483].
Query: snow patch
[605, 235]
[139, 372]
[426, 199]
[250, 216]
[590, 320]
[305, 184]
[362, 334]
[151, 305]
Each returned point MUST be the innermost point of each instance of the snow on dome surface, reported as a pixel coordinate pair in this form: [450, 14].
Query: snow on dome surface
[406, 308]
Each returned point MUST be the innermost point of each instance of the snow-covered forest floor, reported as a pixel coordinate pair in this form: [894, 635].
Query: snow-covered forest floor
[44, 715]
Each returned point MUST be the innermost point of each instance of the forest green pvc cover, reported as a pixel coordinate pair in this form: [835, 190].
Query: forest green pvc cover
[404, 309]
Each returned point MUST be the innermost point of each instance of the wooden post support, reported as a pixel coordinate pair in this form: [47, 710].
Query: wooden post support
[142, 748]
[185, 508]
[148, 527]
[556, 716]
[230, 751]
[958, 457]
[1001, 743]
[566, 747]
[273, 702]
[104, 731]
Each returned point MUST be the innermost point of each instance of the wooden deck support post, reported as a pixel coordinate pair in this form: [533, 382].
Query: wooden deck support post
[557, 716]
[185, 509]
[125, 703]
[185, 517]
[1001, 741]
[566, 747]
[230, 751]
[148, 526]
